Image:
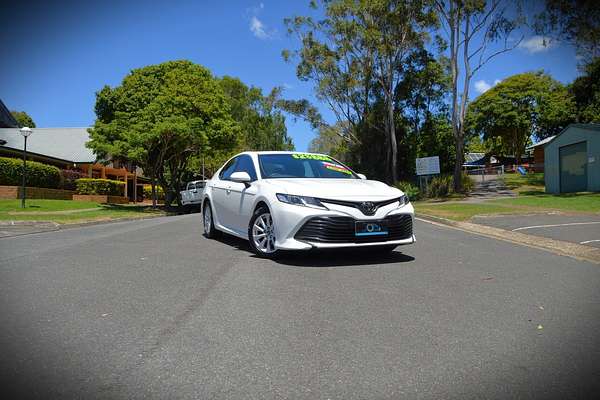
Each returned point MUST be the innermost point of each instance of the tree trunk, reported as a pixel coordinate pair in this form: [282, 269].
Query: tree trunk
[153, 193]
[393, 142]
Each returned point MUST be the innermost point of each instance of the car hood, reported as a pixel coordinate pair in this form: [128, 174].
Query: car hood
[346, 189]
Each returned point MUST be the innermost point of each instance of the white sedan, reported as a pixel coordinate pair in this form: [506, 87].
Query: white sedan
[299, 201]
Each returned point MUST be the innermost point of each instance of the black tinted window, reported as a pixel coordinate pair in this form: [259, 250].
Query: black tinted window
[228, 169]
[245, 164]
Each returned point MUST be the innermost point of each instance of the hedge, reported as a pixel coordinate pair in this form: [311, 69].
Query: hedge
[160, 194]
[100, 186]
[38, 174]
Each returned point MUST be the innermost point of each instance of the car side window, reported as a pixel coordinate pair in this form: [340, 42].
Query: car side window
[228, 169]
[245, 164]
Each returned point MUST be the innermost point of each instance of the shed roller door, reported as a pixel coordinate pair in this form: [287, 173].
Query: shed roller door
[573, 168]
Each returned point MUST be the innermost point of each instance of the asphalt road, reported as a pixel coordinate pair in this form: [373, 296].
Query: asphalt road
[151, 309]
[576, 228]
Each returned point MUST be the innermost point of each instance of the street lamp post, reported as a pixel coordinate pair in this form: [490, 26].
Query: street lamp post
[25, 132]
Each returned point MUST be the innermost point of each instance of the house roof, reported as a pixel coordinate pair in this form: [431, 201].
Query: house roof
[474, 159]
[66, 144]
[6, 118]
[541, 142]
[587, 127]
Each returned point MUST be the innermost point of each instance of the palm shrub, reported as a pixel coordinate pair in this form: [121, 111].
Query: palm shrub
[38, 174]
[92, 186]
[412, 191]
[440, 186]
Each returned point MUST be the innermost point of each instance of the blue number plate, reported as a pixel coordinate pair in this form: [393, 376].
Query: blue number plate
[370, 228]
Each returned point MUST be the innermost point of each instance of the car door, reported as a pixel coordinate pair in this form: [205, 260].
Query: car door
[197, 192]
[242, 195]
[221, 189]
[185, 195]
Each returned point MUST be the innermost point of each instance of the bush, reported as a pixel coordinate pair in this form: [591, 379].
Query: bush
[69, 178]
[409, 189]
[440, 186]
[38, 174]
[100, 186]
[160, 193]
[467, 183]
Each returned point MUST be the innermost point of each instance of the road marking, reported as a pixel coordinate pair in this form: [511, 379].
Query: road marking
[590, 241]
[554, 225]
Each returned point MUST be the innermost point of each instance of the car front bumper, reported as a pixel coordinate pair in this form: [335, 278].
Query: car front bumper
[289, 220]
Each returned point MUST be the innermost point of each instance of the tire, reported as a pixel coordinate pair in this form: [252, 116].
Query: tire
[207, 218]
[260, 234]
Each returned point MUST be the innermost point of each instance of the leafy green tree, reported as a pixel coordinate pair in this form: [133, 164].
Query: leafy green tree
[329, 140]
[518, 107]
[575, 21]
[359, 48]
[23, 119]
[160, 117]
[469, 29]
[586, 92]
[262, 124]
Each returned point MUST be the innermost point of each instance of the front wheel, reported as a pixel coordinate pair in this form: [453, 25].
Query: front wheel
[209, 227]
[261, 233]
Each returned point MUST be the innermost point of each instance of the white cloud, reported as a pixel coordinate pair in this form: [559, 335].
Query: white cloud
[257, 27]
[482, 86]
[537, 44]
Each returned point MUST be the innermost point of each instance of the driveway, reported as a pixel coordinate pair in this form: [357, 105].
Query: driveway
[581, 229]
[151, 309]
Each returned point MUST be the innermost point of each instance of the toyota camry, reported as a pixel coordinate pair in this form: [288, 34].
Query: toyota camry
[300, 201]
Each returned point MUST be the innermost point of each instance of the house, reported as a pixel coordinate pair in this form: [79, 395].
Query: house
[6, 118]
[538, 154]
[65, 148]
[572, 160]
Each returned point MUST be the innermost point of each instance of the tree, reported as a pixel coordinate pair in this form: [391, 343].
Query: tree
[159, 117]
[262, 124]
[521, 106]
[470, 27]
[586, 92]
[329, 141]
[23, 119]
[357, 52]
[576, 21]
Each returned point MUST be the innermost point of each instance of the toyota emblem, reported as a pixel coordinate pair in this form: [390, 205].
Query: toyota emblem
[368, 207]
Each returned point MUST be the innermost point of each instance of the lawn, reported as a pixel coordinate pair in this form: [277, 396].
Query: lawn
[461, 211]
[523, 183]
[68, 211]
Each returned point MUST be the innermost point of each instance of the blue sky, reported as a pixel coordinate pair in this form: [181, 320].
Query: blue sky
[56, 55]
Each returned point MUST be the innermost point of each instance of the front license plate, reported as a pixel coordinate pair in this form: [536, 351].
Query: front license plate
[370, 228]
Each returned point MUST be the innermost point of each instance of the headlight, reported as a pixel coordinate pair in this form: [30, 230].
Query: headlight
[403, 200]
[300, 200]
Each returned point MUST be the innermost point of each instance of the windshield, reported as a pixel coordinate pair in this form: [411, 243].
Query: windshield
[301, 165]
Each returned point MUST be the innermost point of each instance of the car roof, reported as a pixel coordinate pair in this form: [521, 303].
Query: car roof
[281, 152]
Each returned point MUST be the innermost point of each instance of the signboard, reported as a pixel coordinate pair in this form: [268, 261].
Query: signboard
[428, 165]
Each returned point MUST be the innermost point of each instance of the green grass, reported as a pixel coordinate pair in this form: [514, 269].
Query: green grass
[521, 183]
[461, 211]
[35, 205]
[68, 211]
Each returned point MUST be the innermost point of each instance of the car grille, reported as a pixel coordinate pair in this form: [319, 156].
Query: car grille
[341, 230]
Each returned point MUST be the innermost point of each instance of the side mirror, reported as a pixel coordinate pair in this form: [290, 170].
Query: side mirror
[361, 176]
[241, 177]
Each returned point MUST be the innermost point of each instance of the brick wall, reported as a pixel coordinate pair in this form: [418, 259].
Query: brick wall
[14, 192]
[99, 198]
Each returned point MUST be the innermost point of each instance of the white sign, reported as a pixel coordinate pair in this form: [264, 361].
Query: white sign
[428, 165]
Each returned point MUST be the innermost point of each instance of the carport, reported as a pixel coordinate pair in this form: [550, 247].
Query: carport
[572, 160]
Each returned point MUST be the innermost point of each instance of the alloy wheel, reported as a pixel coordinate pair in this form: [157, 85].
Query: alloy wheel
[263, 234]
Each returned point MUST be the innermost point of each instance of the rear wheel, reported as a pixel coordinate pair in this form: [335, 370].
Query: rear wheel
[261, 233]
[209, 226]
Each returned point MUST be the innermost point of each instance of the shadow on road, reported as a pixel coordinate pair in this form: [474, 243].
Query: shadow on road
[341, 258]
[324, 258]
